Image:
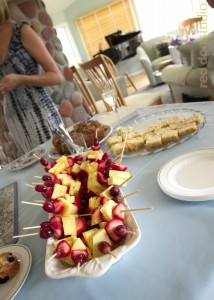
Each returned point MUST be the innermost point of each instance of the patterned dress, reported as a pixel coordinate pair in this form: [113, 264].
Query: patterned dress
[30, 113]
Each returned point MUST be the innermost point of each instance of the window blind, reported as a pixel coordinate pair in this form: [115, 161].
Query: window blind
[94, 26]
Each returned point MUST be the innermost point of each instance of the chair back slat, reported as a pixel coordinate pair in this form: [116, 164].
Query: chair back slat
[99, 70]
[88, 99]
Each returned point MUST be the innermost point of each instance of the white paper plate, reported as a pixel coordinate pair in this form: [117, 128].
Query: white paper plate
[97, 266]
[189, 176]
[26, 160]
[9, 289]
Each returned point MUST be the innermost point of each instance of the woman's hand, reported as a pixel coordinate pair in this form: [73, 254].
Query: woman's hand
[9, 83]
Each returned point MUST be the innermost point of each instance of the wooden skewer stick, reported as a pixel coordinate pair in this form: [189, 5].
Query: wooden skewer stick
[136, 209]
[84, 215]
[52, 257]
[37, 176]
[130, 232]
[121, 155]
[31, 227]
[125, 181]
[30, 185]
[31, 203]
[112, 254]
[25, 235]
[37, 183]
[42, 201]
[36, 156]
[135, 192]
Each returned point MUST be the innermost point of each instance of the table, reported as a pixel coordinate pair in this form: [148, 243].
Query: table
[174, 259]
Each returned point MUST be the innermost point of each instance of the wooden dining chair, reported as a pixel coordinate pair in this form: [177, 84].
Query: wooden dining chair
[190, 26]
[98, 70]
[116, 72]
[89, 102]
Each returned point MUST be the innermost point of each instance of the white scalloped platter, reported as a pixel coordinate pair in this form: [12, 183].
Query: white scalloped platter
[97, 266]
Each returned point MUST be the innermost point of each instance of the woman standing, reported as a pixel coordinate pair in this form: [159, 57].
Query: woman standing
[28, 109]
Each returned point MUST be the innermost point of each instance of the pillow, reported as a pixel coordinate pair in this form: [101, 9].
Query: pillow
[185, 51]
[202, 48]
[162, 49]
[189, 98]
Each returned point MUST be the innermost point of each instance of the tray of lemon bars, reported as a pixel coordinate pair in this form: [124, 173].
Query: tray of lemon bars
[157, 132]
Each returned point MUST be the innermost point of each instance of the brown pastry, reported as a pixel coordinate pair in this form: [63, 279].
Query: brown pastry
[9, 266]
[89, 129]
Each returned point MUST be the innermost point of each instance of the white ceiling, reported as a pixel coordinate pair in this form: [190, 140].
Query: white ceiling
[54, 6]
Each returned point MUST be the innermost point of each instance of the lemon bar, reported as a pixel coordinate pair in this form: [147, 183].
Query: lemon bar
[170, 137]
[153, 142]
[114, 140]
[187, 129]
[135, 143]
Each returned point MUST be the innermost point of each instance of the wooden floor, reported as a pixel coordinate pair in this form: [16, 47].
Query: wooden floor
[139, 81]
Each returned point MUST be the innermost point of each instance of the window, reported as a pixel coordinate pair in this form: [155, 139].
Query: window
[106, 20]
[69, 48]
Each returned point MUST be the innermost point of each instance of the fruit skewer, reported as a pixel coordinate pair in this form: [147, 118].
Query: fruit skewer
[96, 174]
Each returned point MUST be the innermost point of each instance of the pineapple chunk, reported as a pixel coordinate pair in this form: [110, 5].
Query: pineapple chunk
[59, 191]
[63, 160]
[94, 185]
[75, 169]
[118, 177]
[120, 174]
[88, 235]
[74, 188]
[100, 236]
[92, 167]
[69, 208]
[94, 202]
[95, 218]
[106, 193]
[59, 167]
[69, 239]
[107, 208]
[116, 181]
[69, 225]
[78, 245]
[84, 165]
[102, 225]
[94, 154]
[70, 199]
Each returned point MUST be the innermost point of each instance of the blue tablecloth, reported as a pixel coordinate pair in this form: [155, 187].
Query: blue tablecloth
[174, 259]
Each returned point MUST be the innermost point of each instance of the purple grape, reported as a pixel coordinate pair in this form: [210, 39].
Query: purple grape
[40, 188]
[121, 231]
[48, 207]
[45, 224]
[46, 177]
[49, 183]
[43, 162]
[80, 259]
[115, 191]
[104, 247]
[45, 233]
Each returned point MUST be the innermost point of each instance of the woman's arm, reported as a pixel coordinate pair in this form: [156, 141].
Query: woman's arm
[36, 48]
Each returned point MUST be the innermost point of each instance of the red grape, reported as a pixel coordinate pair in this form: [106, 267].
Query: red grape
[43, 162]
[40, 188]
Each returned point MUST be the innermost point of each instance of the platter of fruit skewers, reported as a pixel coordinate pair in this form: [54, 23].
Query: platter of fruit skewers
[90, 225]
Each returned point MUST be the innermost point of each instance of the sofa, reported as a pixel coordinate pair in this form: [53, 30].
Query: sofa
[150, 53]
[194, 79]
